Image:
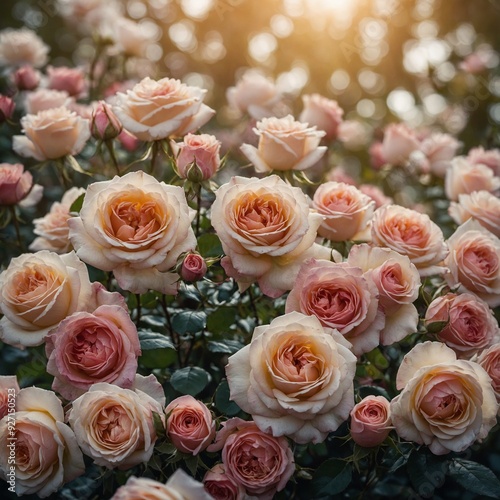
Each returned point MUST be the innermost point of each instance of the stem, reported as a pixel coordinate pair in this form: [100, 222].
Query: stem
[139, 309]
[93, 64]
[173, 334]
[111, 150]
[154, 156]
[16, 226]
[198, 210]
[252, 304]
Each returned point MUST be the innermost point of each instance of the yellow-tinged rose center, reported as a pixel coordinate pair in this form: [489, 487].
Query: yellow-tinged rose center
[407, 230]
[113, 425]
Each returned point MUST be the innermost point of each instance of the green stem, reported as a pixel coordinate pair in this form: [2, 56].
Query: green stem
[16, 226]
[111, 151]
[252, 304]
[154, 156]
[198, 210]
[173, 334]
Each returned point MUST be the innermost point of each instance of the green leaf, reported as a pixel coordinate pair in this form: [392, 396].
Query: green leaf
[190, 380]
[373, 390]
[76, 206]
[222, 401]
[157, 358]
[378, 359]
[153, 340]
[426, 472]
[158, 425]
[209, 245]
[192, 464]
[331, 478]
[189, 321]
[75, 165]
[224, 346]
[221, 320]
[435, 326]
[474, 477]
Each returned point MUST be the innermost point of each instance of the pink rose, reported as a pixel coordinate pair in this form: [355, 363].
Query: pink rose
[130, 38]
[197, 157]
[339, 174]
[15, 183]
[295, 378]
[284, 144]
[129, 142]
[353, 134]
[474, 63]
[104, 124]
[439, 150]
[190, 425]
[21, 47]
[342, 298]
[489, 359]
[377, 159]
[43, 99]
[7, 106]
[322, 113]
[489, 157]
[399, 142]
[193, 267]
[376, 194]
[26, 78]
[346, 211]
[9, 387]
[474, 262]
[271, 457]
[71, 80]
[413, 234]
[221, 485]
[371, 421]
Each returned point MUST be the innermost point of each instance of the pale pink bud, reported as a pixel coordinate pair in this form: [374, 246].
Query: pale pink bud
[129, 141]
[193, 267]
[26, 78]
[104, 124]
[71, 80]
[371, 421]
[15, 184]
[7, 106]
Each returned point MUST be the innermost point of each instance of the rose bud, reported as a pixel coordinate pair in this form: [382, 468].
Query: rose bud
[370, 421]
[193, 267]
[7, 106]
[15, 183]
[104, 125]
[128, 141]
[221, 485]
[26, 78]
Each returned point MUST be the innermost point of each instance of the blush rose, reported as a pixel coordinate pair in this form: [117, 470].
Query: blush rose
[371, 421]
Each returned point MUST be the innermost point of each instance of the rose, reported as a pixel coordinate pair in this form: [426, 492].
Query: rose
[190, 425]
[377, 160]
[114, 426]
[474, 262]
[193, 267]
[413, 234]
[342, 298]
[136, 227]
[479, 205]
[353, 134]
[7, 106]
[37, 291]
[266, 230]
[463, 177]
[179, 486]
[489, 359]
[489, 157]
[470, 325]
[445, 403]
[376, 194]
[371, 421]
[26, 78]
[439, 149]
[87, 348]
[322, 113]
[260, 462]
[284, 144]
[9, 387]
[154, 110]
[398, 143]
[129, 37]
[398, 283]
[15, 184]
[221, 485]
[43, 99]
[339, 174]
[295, 378]
[474, 63]
[104, 124]
[71, 80]
[46, 452]
[254, 94]
[52, 134]
[197, 157]
[23, 46]
[347, 212]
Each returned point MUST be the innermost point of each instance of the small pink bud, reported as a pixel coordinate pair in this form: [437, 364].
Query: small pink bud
[15, 183]
[129, 142]
[26, 78]
[7, 106]
[193, 267]
[104, 124]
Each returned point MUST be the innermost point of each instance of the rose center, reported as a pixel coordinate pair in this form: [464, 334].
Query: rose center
[112, 424]
[133, 220]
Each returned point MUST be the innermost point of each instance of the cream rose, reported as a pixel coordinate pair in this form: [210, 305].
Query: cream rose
[489, 359]
[46, 452]
[295, 378]
[488, 157]
[136, 227]
[322, 113]
[154, 110]
[9, 387]
[371, 421]
[37, 291]
[52, 134]
[43, 99]
[347, 212]
[114, 426]
[23, 46]
[445, 403]
[413, 234]
[284, 144]
[474, 262]
[439, 149]
[267, 230]
[399, 142]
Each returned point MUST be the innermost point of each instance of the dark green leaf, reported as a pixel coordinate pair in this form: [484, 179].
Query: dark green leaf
[331, 478]
[378, 359]
[373, 390]
[159, 425]
[474, 477]
[189, 321]
[222, 401]
[76, 206]
[154, 340]
[426, 472]
[435, 326]
[157, 358]
[192, 464]
[221, 320]
[190, 380]
[225, 346]
[209, 245]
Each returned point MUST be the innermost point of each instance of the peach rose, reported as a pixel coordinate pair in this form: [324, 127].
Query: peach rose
[445, 403]
[488, 157]
[136, 227]
[371, 421]
[114, 426]
[154, 110]
[346, 211]
[413, 234]
[197, 157]
[221, 485]
[322, 113]
[342, 298]
[190, 425]
[45, 448]
[284, 144]
[52, 229]
[479, 205]
[22, 46]
[71, 80]
[267, 230]
[398, 143]
[353, 134]
[16, 184]
[295, 378]
[376, 194]
[52, 134]
[398, 283]
[439, 149]
[260, 462]
[489, 359]
[43, 99]
[9, 387]
[38, 291]
[474, 262]
[463, 177]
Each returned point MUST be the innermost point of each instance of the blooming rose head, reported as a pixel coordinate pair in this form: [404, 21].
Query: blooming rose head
[136, 227]
[267, 230]
[353, 134]
[371, 421]
[474, 262]
[190, 425]
[71, 80]
[322, 113]
[154, 110]
[221, 485]
[37, 291]
[488, 157]
[489, 359]
[464, 177]
[482, 206]
[410, 233]
[193, 267]
[445, 403]
[295, 378]
[47, 454]
[129, 37]
[15, 183]
[114, 426]
[254, 94]
[399, 142]
[7, 106]
[43, 99]
[23, 46]
[104, 124]
[346, 211]
[284, 144]
[9, 387]
[260, 462]
[342, 298]
[52, 134]
[439, 150]
[197, 157]
[26, 78]
[376, 194]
